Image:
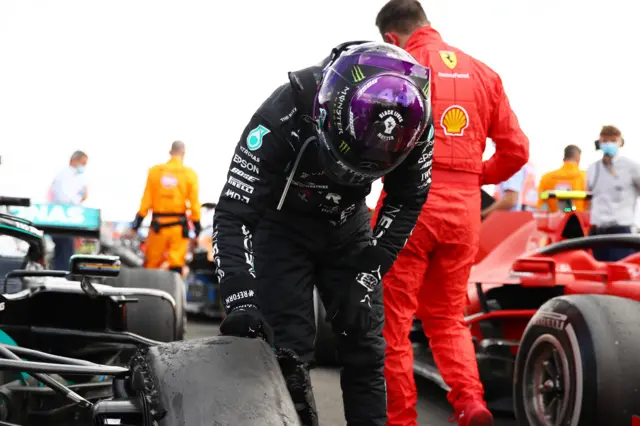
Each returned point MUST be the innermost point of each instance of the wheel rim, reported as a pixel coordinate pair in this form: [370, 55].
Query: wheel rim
[547, 383]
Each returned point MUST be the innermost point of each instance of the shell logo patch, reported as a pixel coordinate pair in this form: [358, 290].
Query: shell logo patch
[449, 58]
[454, 120]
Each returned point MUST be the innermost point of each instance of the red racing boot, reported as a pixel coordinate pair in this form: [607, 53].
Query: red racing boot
[472, 413]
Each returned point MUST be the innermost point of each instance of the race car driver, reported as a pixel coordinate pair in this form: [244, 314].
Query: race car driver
[292, 213]
[429, 278]
[171, 190]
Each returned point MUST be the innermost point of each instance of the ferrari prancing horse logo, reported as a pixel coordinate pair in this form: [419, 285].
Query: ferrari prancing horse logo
[449, 58]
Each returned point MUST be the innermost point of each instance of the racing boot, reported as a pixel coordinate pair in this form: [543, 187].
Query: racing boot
[296, 375]
[472, 413]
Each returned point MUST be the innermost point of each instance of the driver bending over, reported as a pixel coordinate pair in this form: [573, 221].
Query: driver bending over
[294, 202]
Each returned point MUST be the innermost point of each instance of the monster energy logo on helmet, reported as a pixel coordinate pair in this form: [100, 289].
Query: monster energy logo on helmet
[357, 74]
[425, 90]
[344, 147]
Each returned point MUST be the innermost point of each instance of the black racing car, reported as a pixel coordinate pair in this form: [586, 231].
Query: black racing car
[88, 346]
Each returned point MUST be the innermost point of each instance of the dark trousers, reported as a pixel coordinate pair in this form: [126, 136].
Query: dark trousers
[611, 254]
[63, 251]
[292, 255]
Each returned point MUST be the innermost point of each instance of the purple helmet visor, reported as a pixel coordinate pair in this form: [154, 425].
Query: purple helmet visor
[378, 112]
[388, 118]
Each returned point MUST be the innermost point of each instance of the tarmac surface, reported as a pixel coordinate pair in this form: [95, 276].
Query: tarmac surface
[433, 408]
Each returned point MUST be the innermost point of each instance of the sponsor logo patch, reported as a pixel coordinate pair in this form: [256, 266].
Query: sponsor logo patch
[454, 120]
[169, 181]
[244, 175]
[235, 196]
[254, 138]
[245, 164]
[240, 185]
[452, 75]
[449, 58]
[357, 74]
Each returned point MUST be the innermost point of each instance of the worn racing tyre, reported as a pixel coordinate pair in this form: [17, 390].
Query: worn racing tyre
[578, 363]
[220, 380]
[326, 345]
[153, 317]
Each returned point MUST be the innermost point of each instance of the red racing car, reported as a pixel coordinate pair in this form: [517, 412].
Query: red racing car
[556, 332]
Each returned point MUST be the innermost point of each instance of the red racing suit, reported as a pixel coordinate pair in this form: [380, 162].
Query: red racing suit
[429, 277]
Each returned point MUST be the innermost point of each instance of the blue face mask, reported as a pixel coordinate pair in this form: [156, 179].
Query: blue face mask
[609, 148]
[80, 169]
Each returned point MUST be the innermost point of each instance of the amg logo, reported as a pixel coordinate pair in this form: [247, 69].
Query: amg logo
[240, 185]
[235, 196]
[245, 175]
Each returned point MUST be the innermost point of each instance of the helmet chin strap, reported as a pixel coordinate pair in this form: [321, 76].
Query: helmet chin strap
[293, 170]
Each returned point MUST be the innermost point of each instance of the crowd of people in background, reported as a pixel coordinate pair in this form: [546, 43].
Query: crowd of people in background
[613, 182]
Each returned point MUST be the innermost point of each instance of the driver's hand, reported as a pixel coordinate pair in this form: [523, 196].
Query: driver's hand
[246, 321]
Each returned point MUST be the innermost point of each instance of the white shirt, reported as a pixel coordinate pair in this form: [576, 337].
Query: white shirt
[516, 184]
[68, 187]
[614, 195]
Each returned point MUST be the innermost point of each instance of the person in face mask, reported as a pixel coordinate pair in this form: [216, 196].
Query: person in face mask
[615, 184]
[68, 187]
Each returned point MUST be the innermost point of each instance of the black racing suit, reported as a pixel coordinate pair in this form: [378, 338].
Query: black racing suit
[312, 239]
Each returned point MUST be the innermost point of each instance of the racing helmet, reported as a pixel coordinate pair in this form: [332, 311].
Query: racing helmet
[372, 106]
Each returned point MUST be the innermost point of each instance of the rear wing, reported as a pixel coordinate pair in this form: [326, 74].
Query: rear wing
[61, 219]
[566, 195]
[565, 198]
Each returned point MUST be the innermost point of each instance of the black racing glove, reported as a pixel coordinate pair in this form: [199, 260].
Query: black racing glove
[137, 222]
[246, 321]
[243, 311]
[351, 309]
[197, 228]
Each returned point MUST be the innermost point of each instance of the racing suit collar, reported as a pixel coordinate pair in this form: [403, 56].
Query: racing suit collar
[422, 36]
[175, 160]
